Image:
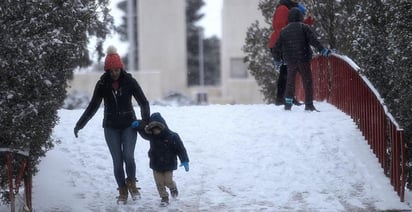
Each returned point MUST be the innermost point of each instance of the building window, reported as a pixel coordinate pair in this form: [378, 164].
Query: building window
[238, 69]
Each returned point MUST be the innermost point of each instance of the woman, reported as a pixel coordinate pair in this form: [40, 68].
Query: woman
[117, 87]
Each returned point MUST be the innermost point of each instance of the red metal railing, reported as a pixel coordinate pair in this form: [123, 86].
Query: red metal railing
[15, 175]
[336, 79]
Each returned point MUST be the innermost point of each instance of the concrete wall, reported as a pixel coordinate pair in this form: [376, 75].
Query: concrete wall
[237, 16]
[162, 42]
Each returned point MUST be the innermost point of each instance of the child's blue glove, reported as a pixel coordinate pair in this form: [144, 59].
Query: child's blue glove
[186, 165]
[277, 64]
[135, 124]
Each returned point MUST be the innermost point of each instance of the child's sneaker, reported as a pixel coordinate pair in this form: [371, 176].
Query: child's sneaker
[164, 202]
[134, 191]
[174, 192]
[122, 198]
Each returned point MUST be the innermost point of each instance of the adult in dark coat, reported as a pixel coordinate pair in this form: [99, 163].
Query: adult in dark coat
[293, 46]
[165, 147]
[116, 87]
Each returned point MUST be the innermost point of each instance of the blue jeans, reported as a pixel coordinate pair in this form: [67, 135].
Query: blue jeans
[121, 143]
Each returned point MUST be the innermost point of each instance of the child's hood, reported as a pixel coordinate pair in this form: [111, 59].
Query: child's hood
[156, 120]
[158, 117]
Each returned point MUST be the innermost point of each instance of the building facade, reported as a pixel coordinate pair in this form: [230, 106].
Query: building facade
[238, 86]
[163, 58]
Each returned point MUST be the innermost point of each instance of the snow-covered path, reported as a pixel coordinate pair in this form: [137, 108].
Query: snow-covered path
[243, 158]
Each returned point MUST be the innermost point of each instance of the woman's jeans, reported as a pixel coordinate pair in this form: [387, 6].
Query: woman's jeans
[121, 143]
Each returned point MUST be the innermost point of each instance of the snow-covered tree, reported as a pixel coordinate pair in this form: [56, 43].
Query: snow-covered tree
[399, 63]
[259, 59]
[211, 61]
[381, 45]
[369, 44]
[331, 22]
[211, 48]
[192, 32]
[41, 43]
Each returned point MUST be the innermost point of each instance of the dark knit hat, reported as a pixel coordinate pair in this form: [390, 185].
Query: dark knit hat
[295, 15]
[113, 59]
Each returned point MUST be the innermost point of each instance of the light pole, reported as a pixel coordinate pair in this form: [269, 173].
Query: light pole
[130, 34]
[202, 96]
[201, 60]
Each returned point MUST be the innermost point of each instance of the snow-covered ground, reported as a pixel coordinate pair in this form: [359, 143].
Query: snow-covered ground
[242, 158]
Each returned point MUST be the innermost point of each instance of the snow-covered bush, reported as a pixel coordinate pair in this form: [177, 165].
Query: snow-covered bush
[41, 42]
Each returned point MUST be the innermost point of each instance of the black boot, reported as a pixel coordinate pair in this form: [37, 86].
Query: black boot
[279, 101]
[288, 106]
[296, 102]
[281, 85]
[310, 107]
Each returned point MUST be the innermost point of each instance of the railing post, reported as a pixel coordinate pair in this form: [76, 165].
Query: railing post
[21, 174]
[382, 139]
[9, 159]
[28, 189]
[403, 165]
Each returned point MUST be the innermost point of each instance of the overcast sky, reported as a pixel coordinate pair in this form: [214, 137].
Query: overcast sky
[212, 19]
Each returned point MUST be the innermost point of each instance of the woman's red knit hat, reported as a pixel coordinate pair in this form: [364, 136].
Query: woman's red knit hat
[113, 59]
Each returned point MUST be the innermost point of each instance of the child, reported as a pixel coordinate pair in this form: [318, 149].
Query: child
[293, 46]
[279, 21]
[165, 146]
